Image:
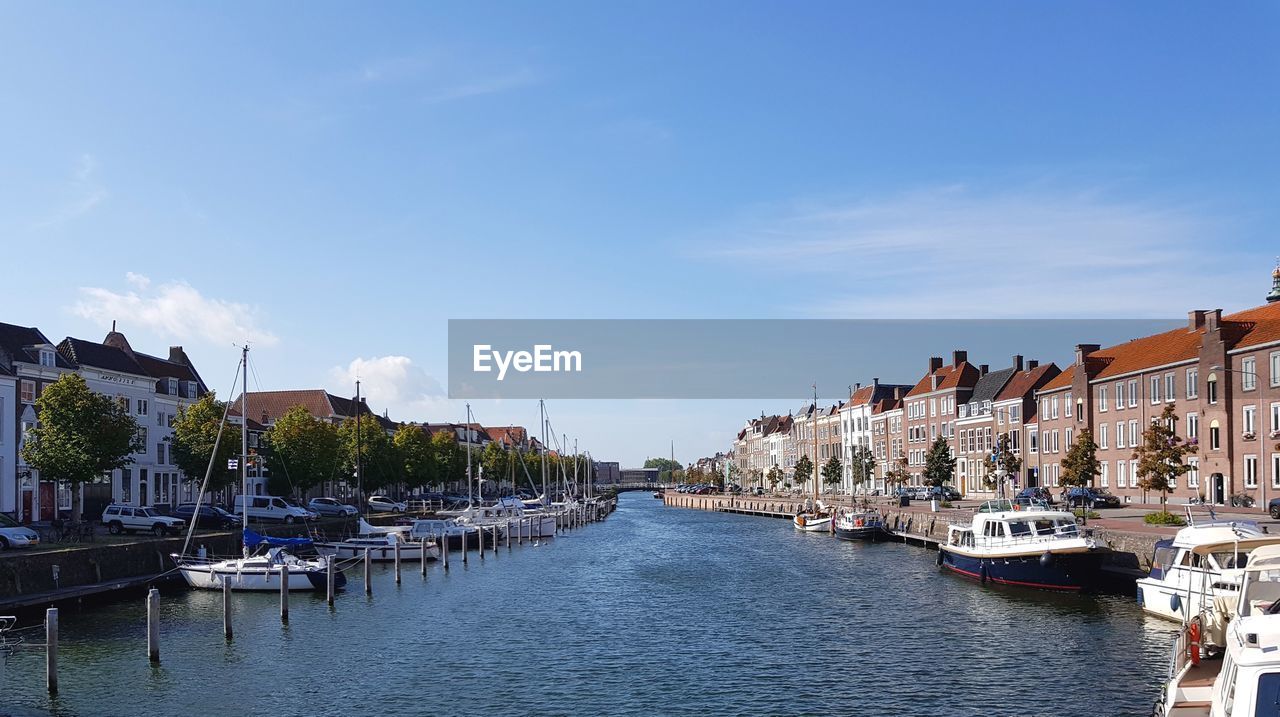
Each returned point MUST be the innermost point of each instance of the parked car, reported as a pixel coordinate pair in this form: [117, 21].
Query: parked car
[128, 519]
[211, 516]
[1084, 496]
[758, 490]
[16, 535]
[1034, 494]
[920, 492]
[331, 508]
[945, 492]
[270, 507]
[1273, 507]
[383, 504]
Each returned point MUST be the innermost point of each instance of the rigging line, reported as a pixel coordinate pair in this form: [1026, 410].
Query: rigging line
[217, 441]
[284, 465]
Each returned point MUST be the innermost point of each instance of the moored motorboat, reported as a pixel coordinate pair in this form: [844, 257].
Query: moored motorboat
[813, 520]
[447, 532]
[381, 547]
[1036, 547]
[859, 524]
[1203, 561]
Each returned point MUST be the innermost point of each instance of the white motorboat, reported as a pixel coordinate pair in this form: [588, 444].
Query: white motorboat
[1036, 547]
[445, 531]
[261, 570]
[814, 517]
[1203, 561]
[1245, 680]
[381, 547]
[509, 513]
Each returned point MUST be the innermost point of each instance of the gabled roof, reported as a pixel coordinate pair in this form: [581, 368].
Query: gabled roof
[873, 392]
[164, 368]
[1157, 350]
[1025, 383]
[990, 384]
[964, 375]
[96, 355]
[316, 401]
[17, 342]
[508, 435]
[1062, 380]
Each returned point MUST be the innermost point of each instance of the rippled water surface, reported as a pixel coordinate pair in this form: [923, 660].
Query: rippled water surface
[656, 611]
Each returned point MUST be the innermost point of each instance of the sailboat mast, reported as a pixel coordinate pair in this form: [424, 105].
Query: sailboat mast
[244, 439]
[814, 472]
[542, 414]
[359, 473]
[466, 433]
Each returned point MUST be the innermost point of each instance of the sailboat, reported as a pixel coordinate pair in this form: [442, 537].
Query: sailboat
[814, 516]
[264, 559]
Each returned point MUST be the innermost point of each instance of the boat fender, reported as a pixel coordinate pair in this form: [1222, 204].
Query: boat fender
[938, 560]
[982, 573]
[1046, 559]
[1175, 602]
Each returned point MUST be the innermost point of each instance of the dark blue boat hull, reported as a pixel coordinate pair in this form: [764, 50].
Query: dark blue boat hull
[1074, 571]
[866, 532]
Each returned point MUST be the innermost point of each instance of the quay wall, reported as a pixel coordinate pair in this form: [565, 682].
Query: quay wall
[1132, 549]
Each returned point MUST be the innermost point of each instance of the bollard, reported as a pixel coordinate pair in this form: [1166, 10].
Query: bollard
[520, 535]
[397, 561]
[480, 537]
[466, 533]
[226, 607]
[153, 625]
[51, 649]
[422, 554]
[508, 534]
[495, 538]
[329, 581]
[368, 573]
[444, 548]
[284, 594]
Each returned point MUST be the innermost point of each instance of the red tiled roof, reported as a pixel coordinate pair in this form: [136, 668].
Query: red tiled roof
[1263, 325]
[508, 435]
[1025, 382]
[278, 403]
[1062, 380]
[963, 375]
[1169, 347]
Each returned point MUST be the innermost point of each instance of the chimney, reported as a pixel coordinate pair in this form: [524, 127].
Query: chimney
[177, 355]
[958, 357]
[1033, 365]
[1017, 362]
[935, 363]
[1083, 350]
[875, 386]
[983, 369]
[1195, 320]
[933, 382]
[1212, 320]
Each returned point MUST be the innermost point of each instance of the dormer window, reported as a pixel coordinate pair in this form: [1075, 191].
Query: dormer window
[172, 388]
[47, 358]
[191, 389]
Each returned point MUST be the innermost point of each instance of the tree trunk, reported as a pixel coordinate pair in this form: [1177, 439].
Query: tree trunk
[75, 502]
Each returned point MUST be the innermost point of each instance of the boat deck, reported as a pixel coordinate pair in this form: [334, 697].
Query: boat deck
[1195, 690]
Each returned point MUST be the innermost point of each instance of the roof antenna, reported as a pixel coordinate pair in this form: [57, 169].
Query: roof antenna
[113, 326]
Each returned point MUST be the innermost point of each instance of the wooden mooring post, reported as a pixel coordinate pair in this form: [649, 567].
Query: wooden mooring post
[422, 554]
[508, 534]
[368, 572]
[329, 582]
[520, 535]
[153, 625]
[226, 608]
[284, 594]
[465, 535]
[397, 557]
[51, 649]
[444, 549]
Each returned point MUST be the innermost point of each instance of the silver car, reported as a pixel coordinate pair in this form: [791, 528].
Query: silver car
[331, 507]
[16, 535]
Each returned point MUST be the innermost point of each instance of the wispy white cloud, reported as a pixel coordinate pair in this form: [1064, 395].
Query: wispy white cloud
[485, 85]
[393, 383]
[174, 309]
[952, 251]
[85, 193]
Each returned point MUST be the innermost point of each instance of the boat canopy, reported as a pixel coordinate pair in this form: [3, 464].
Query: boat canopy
[1251, 543]
[1264, 558]
[253, 539]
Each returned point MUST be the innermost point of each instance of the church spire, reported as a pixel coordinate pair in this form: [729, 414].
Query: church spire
[1274, 296]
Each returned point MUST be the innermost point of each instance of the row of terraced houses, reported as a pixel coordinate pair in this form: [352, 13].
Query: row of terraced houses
[1220, 373]
[153, 389]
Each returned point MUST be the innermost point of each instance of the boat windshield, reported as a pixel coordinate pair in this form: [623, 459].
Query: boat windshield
[996, 506]
[1261, 593]
[1230, 560]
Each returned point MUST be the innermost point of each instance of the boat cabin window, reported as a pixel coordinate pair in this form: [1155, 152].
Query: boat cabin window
[1019, 528]
[1268, 699]
[993, 529]
[1228, 684]
[1164, 556]
[1261, 591]
[1044, 526]
[1229, 560]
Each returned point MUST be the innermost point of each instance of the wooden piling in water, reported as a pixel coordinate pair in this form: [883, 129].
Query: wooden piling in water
[226, 607]
[480, 537]
[422, 555]
[329, 580]
[444, 549]
[397, 556]
[153, 625]
[51, 649]
[368, 572]
[466, 534]
[508, 534]
[284, 594]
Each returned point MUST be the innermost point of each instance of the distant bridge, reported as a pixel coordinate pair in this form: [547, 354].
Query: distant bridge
[624, 487]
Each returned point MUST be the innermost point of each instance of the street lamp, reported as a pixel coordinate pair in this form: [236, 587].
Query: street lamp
[1256, 428]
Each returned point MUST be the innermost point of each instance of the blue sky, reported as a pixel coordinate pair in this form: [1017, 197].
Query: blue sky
[336, 181]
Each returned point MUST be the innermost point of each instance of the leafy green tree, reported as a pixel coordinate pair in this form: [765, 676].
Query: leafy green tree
[665, 468]
[939, 464]
[756, 477]
[1081, 466]
[450, 461]
[803, 471]
[832, 472]
[302, 451]
[1161, 455]
[380, 464]
[195, 431]
[774, 477]
[862, 466]
[898, 474]
[418, 455]
[496, 461]
[80, 437]
[1001, 458]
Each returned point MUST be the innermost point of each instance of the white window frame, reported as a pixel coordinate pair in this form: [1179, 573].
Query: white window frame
[1193, 475]
[1133, 393]
[1193, 381]
[1102, 399]
[1103, 430]
[1250, 471]
[1170, 388]
[1248, 374]
[1155, 390]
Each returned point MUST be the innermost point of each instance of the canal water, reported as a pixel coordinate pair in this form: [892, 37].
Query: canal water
[656, 611]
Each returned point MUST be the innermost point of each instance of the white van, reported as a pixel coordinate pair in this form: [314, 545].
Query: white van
[270, 507]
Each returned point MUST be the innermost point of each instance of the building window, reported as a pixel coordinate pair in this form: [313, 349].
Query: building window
[1275, 470]
[1193, 475]
[1103, 431]
[172, 386]
[1119, 394]
[28, 391]
[1250, 471]
[1104, 479]
[1033, 439]
[1275, 368]
[1133, 393]
[1211, 388]
[1120, 443]
[1250, 421]
[1249, 374]
[1193, 381]
[1169, 384]
[1193, 426]
[1102, 398]
[142, 406]
[1215, 439]
[1155, 389]
[46, 358]
[1275, 420]
[1066, 411]
[142, 437]
[1054, 409]
[1122, 472]
[1068, 437]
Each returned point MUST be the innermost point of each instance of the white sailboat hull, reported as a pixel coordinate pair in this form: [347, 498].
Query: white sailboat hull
[212, 576]
[811, 524]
